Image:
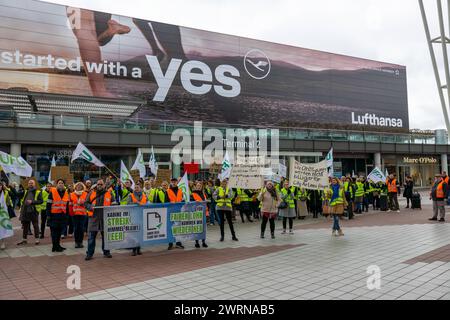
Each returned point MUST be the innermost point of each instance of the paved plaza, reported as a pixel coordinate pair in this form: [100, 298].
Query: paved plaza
[412, 254]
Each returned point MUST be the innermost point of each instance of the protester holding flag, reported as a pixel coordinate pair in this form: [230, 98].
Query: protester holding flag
[97, 198]
[78, 200]
[223, 196]
[57, 213]
[125, 190]
[29, 213]
[270, 200]
[6, 229]
[199, 195]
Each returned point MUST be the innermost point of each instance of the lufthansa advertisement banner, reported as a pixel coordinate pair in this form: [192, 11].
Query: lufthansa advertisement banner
[188, 74]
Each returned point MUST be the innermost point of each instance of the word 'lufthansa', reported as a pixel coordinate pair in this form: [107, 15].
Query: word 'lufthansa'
[374, 120]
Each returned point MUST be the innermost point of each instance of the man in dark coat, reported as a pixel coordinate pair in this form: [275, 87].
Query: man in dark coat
[98, 197]
[29, 213]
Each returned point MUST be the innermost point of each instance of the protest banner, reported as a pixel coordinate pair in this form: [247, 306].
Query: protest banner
[309, 176]
[62, 172]
[246, 176]
[133, 226]
[163, 175]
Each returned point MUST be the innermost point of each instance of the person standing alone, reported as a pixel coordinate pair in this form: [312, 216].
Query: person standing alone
[438, 194]
[392, 186]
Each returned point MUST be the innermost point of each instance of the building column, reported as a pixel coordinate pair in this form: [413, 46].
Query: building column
[444, 164]
[377, 160]
[176, 170]
[15, 151]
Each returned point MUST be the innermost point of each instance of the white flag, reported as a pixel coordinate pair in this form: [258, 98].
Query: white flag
[139, 164]
[82, 152]
[184, 186]
[386, 173]
[153, 164]
[16, 165]
[353, 173]
[329, 159]
[6, 228]
[125, 175]
[376, 175]
[226, 167]
[50, 179]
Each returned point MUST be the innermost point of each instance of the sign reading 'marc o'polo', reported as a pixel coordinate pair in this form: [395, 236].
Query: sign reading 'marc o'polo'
[218, 78]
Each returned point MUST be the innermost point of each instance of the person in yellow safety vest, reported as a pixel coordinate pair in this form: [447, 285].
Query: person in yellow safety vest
[376, 195]
[245, 197]
[287, 209]
[124, 192]
[97, 198]
[301, 197]
[438, 194]
[77, 200]
[140, 198]
[199, 196]
[4, 214]
[159, 195]
[57, 213]
[223, 196]
[42, 208]
[337, 201]
[148, 188]
[359, 195]
[367, 194]
[349, 190]
[29, 213]
[393, 193]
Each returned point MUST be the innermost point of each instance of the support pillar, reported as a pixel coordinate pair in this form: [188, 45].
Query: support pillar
[444, 163]
[377, 160]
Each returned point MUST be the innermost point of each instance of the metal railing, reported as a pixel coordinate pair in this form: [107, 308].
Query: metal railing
[87, 122]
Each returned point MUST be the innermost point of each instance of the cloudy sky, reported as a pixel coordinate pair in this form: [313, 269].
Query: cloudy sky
[385, 30]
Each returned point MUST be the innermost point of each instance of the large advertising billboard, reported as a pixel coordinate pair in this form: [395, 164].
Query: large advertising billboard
[187, 74]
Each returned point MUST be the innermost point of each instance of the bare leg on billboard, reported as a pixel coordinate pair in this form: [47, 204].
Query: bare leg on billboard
[96, 29]
[147, 31]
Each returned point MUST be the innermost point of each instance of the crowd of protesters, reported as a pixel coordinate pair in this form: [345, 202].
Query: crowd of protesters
[76, 210]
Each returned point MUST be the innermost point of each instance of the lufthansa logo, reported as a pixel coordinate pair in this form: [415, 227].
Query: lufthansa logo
[257, 64]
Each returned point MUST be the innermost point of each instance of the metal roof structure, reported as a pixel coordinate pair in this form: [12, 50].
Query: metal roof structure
[26, 102]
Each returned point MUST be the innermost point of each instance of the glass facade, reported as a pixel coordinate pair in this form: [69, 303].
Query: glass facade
[421, 169]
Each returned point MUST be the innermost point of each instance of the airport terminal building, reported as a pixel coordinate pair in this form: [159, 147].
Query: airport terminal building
[120, 84]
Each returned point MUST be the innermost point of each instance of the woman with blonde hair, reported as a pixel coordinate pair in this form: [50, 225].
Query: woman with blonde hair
[77, 202]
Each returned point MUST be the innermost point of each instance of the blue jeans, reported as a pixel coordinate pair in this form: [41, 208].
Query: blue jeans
[336, 222]
[91, 243]
[212, 214]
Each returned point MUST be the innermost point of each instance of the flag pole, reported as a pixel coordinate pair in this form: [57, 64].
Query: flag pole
[112, 173]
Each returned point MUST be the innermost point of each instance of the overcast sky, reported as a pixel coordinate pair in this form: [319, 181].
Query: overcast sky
[386, 30]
